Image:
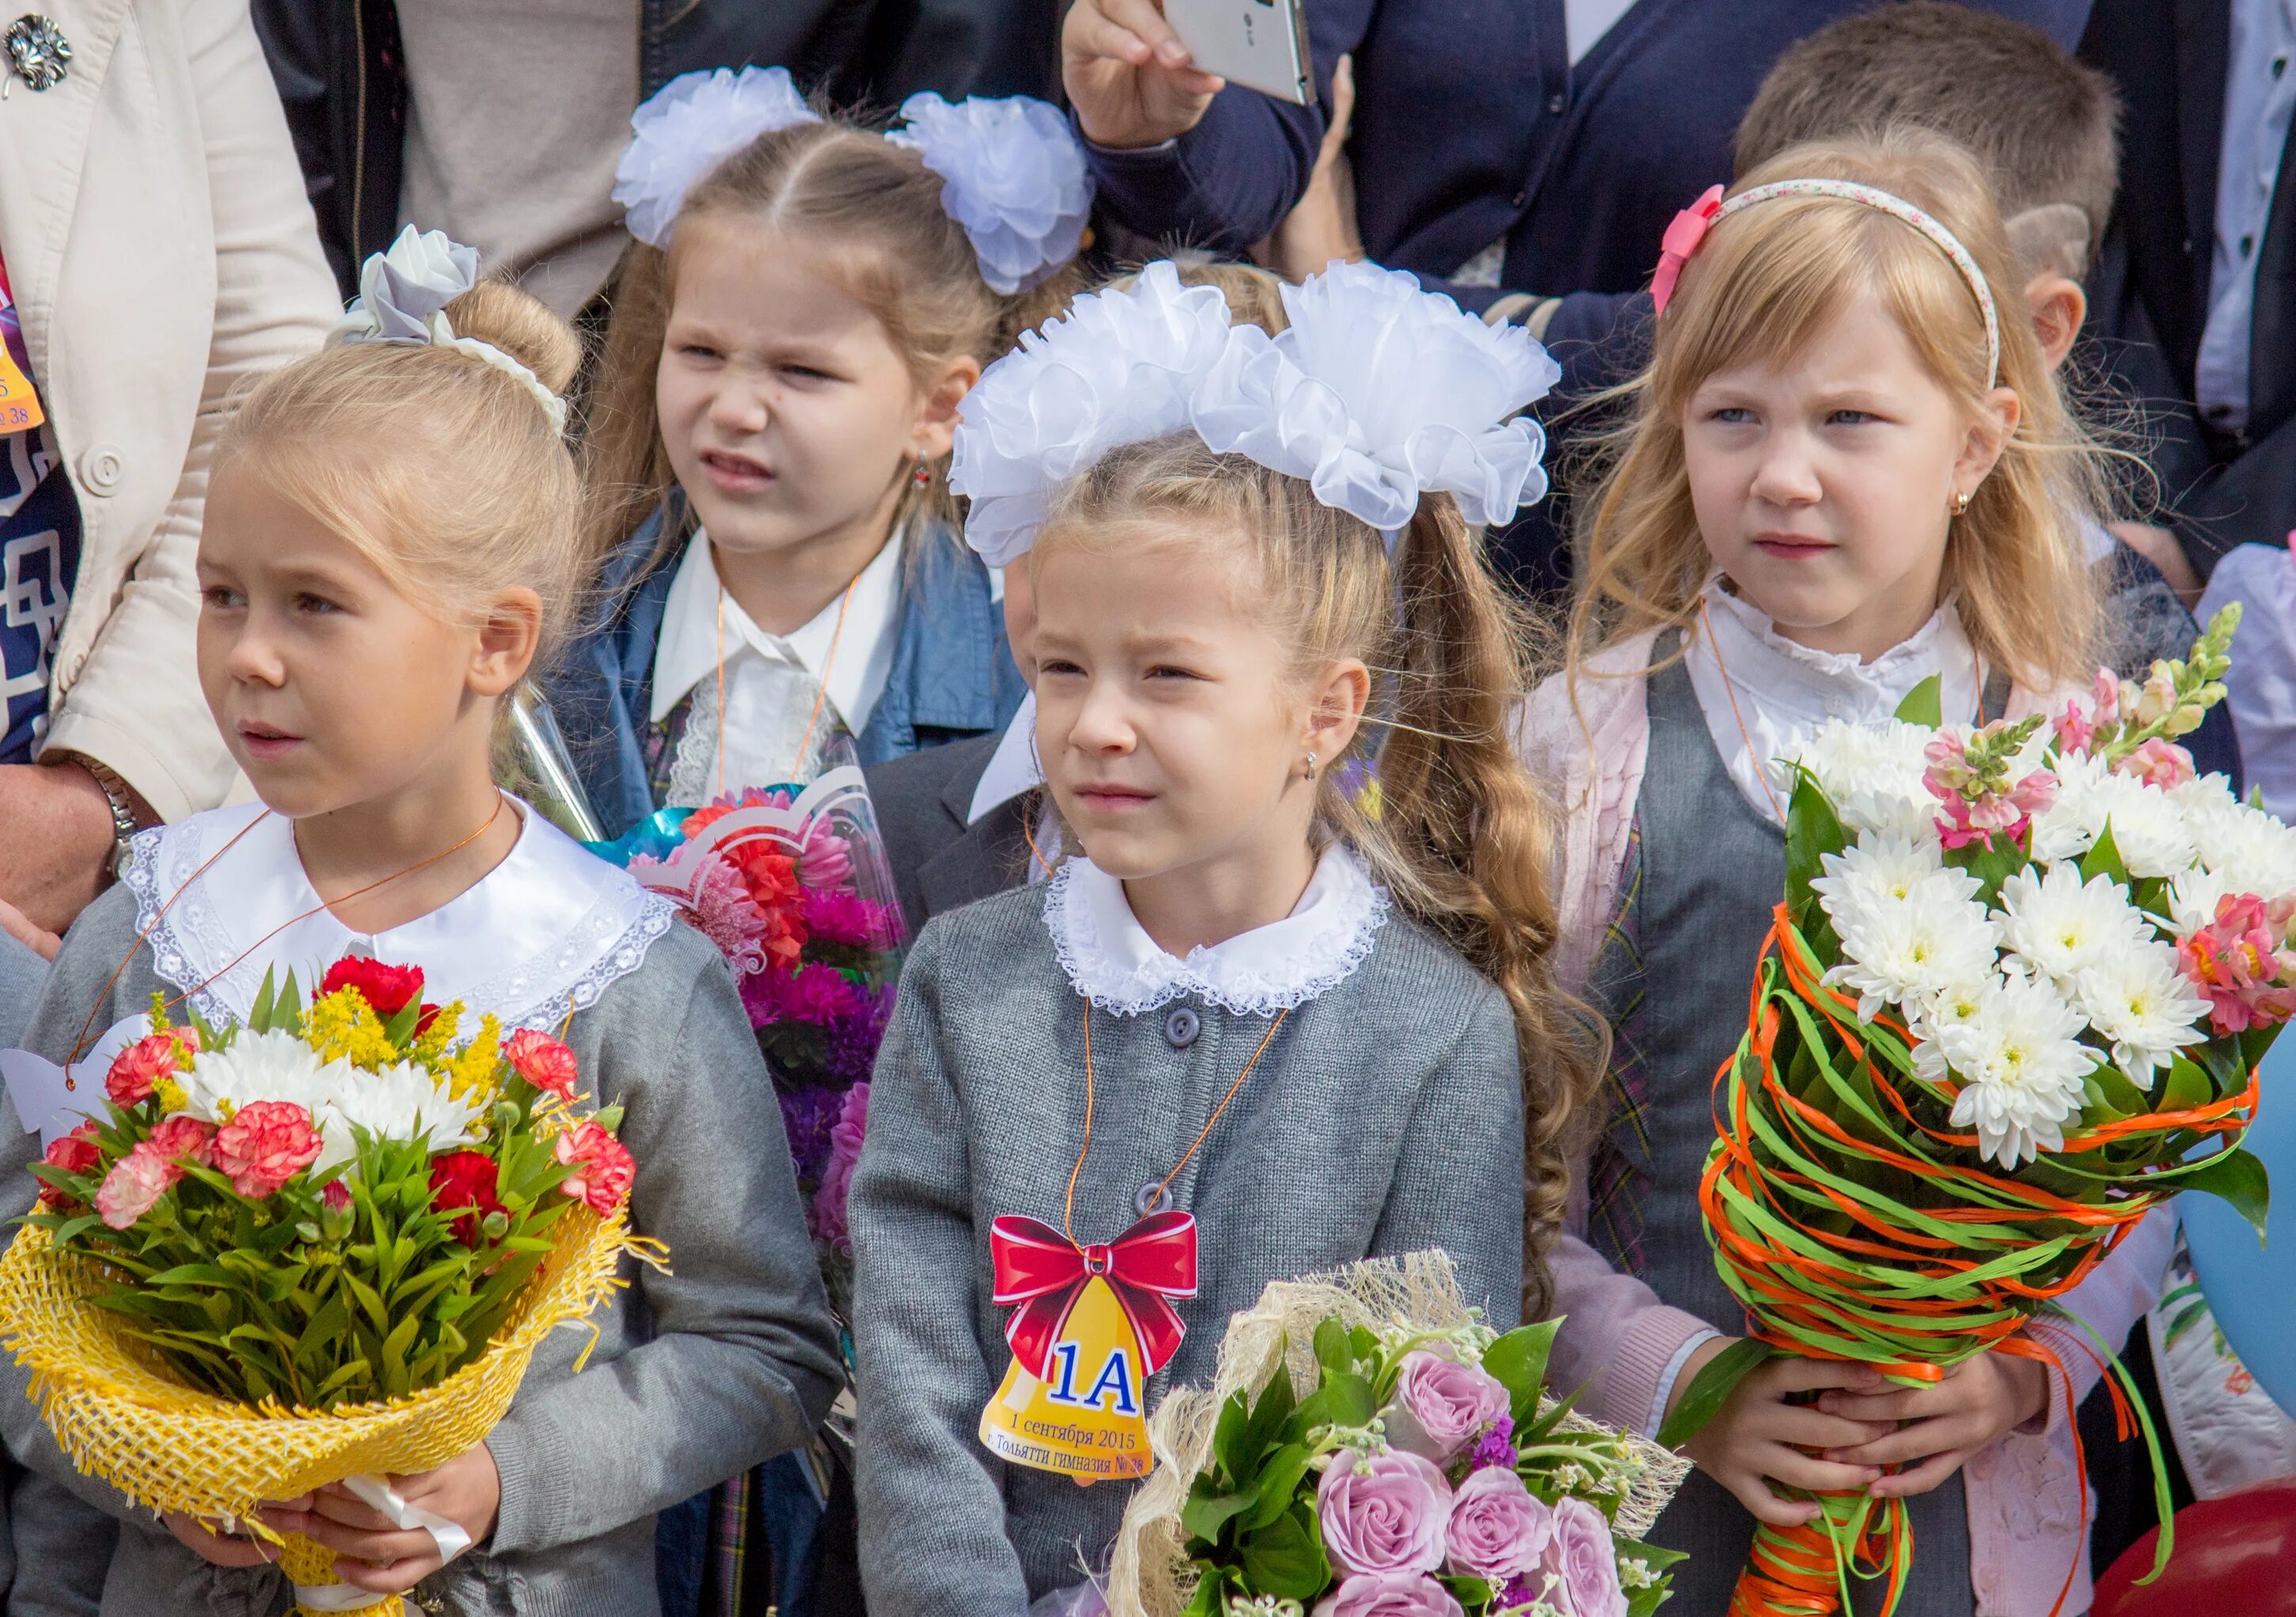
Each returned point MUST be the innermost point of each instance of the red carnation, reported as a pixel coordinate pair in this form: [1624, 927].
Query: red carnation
[266, 1144]
[602, 1166]
[464, 1179]
[389, 989]
[75, 1152]
[542, 1061]
[142, 1064]
[185, 1136]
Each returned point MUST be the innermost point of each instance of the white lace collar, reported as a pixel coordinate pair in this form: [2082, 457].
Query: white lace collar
[541, 936]
[1778, 690]
[1111, 960]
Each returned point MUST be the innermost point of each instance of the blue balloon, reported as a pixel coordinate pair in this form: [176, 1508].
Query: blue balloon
[2249, 1288]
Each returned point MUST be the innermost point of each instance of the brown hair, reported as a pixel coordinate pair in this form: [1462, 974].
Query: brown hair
[2045, 127]
[1768, 280]
[441, 469]
[1461, 836]
[875, 210]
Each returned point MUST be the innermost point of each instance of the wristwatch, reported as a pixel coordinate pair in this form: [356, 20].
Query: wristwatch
[117, 793]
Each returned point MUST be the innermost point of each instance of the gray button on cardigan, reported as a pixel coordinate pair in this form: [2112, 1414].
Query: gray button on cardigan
[1385, 1117]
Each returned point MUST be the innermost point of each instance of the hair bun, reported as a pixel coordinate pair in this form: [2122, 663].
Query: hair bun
[523, 326]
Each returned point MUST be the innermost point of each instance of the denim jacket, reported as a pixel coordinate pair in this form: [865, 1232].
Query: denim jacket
[952, 676]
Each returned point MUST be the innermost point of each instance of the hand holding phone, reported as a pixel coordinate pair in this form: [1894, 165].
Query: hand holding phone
[1129, 75]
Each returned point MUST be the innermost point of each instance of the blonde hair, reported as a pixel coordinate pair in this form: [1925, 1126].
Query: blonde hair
[439, 469]
[1461, 836]
[1766, 282]
[873, 212]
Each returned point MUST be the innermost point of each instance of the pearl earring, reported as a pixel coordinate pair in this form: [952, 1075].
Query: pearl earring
[1311, 766]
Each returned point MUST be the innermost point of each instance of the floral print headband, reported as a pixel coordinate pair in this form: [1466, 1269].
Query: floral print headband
[1688, 231]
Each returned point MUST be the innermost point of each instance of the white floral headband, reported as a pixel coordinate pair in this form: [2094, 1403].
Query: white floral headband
[1012, 175]
[403, 297]
[1376, 394]
[1688, 234]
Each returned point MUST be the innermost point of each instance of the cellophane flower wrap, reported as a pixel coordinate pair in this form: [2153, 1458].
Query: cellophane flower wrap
[1370, 1448]
[320, 1244]
[793, 886]
[2014, 998]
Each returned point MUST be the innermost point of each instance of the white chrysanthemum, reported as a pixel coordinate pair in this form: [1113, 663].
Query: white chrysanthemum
[2193, 897]
[261, 1066]
[1881, 867]
[2137, 999]
[1913, 949]
[1014, 179]
[1928, 1015]
[2148, 826]
[2021, 1062]
[400, 1102]
[1872, 774]
[2245, 844]
[2062, 926]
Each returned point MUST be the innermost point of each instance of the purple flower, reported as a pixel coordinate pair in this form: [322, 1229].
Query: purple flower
[849, 1052]
[1498, 1529]
[846, 919]
[809, 1116]
[1385, 1514]
[1584, 1561]
[1389, 1595]
[837, 1177]
[814, 993]
[1496, 1447]
[1440, 1405]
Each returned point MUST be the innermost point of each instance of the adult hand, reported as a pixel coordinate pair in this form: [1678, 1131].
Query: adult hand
[59, 841]
[40, 940]
[1980, 1401]
[2160, 547]
[1322, 226]
[1128, 75]
[383, 1559]
[218, 1548]
[1757, 1436]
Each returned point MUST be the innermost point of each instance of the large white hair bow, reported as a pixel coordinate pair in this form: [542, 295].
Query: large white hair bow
[1379, 393]
[1015, 179]
[1119, 368]
[690, 125]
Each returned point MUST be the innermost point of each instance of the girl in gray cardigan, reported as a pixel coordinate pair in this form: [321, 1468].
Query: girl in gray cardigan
[1255, 1027]
[390, 540]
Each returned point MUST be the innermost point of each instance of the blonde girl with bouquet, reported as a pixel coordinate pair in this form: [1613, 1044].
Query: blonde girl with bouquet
[1848, 471]
[390, 547]
[808, 303]
[1248, 1029]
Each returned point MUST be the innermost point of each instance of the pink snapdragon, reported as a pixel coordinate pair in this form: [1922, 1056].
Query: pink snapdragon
[1977, 801]
[2240, 963]
[2157, 763]
[2075, 729]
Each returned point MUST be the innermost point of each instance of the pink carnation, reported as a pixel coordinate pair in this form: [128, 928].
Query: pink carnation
[135, 1185]
[837, 1177]
[266, 1144]
[543, 1062]
[181, 1137]
[142, 1064]
[602, 1167]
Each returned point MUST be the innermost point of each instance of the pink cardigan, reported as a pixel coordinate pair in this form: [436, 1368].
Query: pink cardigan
[2027, 1529]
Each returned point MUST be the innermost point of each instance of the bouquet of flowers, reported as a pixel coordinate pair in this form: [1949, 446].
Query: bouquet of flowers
[793, 887]
[1372, 1450]
[317, 1245]
[2014, 998]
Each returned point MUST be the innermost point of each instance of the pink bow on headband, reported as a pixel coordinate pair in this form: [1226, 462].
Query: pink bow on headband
[1681, 241]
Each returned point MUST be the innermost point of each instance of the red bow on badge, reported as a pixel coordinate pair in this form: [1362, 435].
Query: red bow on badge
[1040, 1273]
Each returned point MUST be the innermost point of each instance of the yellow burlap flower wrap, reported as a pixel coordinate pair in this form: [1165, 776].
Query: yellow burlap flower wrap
[121, 1416]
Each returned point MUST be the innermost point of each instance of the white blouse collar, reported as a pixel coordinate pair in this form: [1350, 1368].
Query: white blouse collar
[1111, 960]
[1754, 684]
[539, 936]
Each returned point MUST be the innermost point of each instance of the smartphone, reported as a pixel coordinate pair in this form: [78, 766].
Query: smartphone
[1261, 44]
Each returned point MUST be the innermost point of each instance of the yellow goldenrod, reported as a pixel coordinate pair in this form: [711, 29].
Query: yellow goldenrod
[344, 1024]
[474, 1068]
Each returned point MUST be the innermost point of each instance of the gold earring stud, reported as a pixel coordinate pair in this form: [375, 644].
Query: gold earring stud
[1960, 505]
[1311, 766]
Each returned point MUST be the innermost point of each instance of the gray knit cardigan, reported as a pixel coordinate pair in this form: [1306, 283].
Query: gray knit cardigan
[696, 1375]
[1386, 1117]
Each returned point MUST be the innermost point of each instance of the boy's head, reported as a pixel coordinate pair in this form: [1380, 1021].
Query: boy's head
[2044, 127]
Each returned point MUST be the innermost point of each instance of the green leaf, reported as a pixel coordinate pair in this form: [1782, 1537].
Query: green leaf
[1279, 1481]
[1924, 704]
[1518, 1360]
[1284, 1559]
[1205, 1514]
[1706, 1394]
[2238, 1176]
[1229, 1436]
[1269, 1414]
[2187, 1086]
[2103, 859]
[265, 996]
[1333, 1350]
[1350, 1398]
[1813, 830]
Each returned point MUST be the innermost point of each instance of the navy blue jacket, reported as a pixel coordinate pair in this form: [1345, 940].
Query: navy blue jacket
[1471, 126]
[952, 677]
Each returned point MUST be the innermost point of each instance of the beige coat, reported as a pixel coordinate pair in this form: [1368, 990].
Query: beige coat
[162, 253]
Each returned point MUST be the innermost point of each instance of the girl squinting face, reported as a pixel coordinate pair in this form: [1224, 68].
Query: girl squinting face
[788, 414]
[1824, 484]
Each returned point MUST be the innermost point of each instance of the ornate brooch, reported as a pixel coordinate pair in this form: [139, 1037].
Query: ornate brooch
[40, 51]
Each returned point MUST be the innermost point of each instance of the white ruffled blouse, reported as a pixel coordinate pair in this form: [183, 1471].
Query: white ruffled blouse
[1747, 674]
[539, 936]
[1111, 960]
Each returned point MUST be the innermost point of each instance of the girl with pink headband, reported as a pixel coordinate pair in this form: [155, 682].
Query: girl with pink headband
[1843, 474]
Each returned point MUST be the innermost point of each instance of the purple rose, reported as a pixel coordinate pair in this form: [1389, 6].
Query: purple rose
[1584, 1561]
[1499, 1529]
[1440, 1405]
[1389, 1595]
[1385, 1514]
